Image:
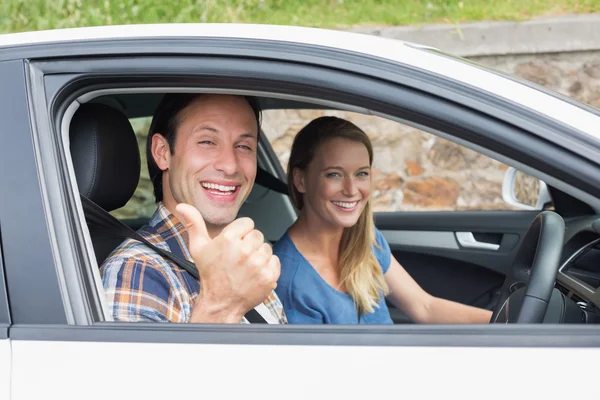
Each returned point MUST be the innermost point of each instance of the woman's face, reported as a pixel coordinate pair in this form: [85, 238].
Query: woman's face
[337, 183]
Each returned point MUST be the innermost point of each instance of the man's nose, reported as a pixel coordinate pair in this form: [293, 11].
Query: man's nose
[227, 161]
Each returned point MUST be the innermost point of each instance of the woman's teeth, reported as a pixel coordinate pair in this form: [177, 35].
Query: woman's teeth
[344, 204]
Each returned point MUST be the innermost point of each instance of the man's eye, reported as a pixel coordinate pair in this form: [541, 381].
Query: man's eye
[206, 142]
[244, 147]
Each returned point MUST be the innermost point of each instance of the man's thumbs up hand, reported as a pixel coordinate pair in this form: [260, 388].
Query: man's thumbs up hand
[195, 225]
[237, 268]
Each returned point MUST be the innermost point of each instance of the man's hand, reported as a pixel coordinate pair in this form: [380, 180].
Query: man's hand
[237, 268]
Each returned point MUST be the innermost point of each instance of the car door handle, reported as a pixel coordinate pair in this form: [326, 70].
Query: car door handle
[466, 239]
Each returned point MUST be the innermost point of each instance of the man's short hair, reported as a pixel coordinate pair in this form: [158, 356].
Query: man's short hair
[166, 122]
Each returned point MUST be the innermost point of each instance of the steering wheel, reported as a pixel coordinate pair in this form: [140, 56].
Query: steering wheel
[526, 292]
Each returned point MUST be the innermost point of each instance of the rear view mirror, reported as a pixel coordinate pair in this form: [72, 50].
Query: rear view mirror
[524, 191]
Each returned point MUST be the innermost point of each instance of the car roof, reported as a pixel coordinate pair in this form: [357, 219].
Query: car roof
[295, 34]
[420, 57]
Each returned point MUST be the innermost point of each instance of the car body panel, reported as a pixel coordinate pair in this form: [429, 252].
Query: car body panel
[5, 348]
[5, 368]
[22, 213]
[59, 348]
[41, 369]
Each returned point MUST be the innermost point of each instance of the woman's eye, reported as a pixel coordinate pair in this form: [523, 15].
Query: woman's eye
[363, 174]
[333, 175]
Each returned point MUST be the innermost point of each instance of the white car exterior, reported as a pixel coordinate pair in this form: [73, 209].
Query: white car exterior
[68, 369]
[103, 365]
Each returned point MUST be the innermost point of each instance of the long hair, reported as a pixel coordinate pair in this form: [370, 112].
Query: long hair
[360, 271]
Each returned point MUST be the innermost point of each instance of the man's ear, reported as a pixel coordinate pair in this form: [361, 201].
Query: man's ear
[299, 176]
[160, 151]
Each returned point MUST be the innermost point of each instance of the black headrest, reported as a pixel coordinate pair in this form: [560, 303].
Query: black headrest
[105, 155]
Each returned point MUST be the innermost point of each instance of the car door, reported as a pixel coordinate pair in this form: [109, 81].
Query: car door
[460, 256]
[12, 87]
[5, 350]
[62, 338]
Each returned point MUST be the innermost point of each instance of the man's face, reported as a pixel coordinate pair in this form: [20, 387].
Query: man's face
[213, 165]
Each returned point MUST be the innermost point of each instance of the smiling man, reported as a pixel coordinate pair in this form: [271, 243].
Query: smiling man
[202, 160]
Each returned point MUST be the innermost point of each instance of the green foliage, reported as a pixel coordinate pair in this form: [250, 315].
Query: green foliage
[28, 15]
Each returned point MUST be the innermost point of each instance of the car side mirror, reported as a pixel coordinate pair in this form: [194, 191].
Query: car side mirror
[524, 191]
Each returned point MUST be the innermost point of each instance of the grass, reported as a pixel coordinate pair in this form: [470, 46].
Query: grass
[28, 15]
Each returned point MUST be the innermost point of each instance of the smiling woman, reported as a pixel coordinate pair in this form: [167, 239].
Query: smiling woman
[329, 179]
[336, 267]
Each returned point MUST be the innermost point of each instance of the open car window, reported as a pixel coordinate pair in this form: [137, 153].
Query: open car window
[414, 172]
[464, 253]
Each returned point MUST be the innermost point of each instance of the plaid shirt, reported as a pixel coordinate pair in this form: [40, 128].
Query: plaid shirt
[142, 286]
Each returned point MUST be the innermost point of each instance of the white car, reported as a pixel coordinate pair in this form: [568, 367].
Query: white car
[531, 264]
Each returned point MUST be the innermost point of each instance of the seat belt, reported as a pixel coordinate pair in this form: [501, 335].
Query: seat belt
[101, 218]
[269, 181]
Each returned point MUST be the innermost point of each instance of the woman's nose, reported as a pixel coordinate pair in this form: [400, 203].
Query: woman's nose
[350, 187]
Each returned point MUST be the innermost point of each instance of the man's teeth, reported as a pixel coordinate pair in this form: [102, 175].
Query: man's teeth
[344, 204]
[220, 188]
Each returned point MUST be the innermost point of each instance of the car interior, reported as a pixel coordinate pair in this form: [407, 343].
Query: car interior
[107, 166]
[110, 178]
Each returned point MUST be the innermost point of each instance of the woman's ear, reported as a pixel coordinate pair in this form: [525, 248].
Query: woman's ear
[298, 175]
[161, 151]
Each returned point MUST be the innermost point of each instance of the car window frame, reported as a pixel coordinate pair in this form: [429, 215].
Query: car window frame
[396, 335]
[22, 214]
[4, 308]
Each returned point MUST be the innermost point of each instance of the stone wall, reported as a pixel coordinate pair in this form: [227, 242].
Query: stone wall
[418, 171]
[574, 74]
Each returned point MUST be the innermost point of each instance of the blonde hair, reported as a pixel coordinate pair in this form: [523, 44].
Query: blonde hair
[361, 274]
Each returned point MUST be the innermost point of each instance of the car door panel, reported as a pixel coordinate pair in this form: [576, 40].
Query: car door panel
[124, 359]
[140, 363]
[5, 364]
[5, 349]
[460, 256]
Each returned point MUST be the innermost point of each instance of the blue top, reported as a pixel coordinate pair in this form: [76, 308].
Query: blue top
[308, 299]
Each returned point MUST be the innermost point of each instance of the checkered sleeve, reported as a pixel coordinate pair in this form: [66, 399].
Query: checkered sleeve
[276, 308]
[140, 290]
